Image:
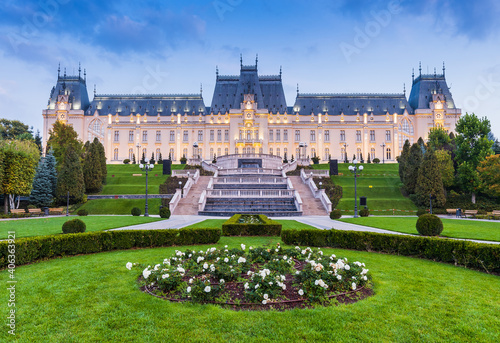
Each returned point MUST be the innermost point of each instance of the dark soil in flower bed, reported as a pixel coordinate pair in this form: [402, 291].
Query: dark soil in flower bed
[233, 295]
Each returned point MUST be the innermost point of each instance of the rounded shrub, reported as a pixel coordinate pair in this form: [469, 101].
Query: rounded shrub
[364, 212]
[136, 211]
[83, 212]
[30, 207]
[421, 211]
[74, 226]
[165, 212]
[335, 214]
[126, 161]
[429, 225]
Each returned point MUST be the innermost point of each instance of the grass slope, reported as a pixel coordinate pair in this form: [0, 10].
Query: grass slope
[119, 206]
[217, 223]
[472, 229]
[384, 194]
[51, 226]
[94, 298]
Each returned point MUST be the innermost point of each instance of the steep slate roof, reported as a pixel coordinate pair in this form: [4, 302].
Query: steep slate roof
[229, 91]
[149, 104]
[351, 104]
[76, 87]
[424, 86]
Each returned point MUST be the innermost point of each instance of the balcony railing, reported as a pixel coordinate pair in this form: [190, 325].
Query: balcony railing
[253, 193]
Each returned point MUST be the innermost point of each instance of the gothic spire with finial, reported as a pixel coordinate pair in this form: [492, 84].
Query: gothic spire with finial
[256, 59]
[59, 70]
[420, 68]
[281, 71]
[412, 75]
[79, 69]
[443, 68]
[241, 60]
[85, 75]
[95, 90]
[217, 72]
[297, 89]
[64, 72]
[404, 89]
[201, 89]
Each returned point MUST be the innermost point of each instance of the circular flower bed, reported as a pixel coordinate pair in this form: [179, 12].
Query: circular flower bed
[257, 278]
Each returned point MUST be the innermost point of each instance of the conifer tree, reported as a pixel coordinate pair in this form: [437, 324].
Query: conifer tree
[422, 145]
[102, 159]
[92, 173]
[403, 160]
[42, 193]
[429, 182]
[70, 177]
[50, 163]
[152, 160]
[160, 159]
[292, 159]
[133, 159]
[143, 158]
[412, 166]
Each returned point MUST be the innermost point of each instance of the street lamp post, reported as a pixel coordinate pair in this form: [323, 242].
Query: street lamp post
[180, 186]
[383, 152]
[355, 169]
[146, 168]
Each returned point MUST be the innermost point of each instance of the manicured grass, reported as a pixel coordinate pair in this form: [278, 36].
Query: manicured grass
[94, 298]
[120, 206]
[120, 179]
[472, 229]
[51, 226]
[217, 223]
[384, 196]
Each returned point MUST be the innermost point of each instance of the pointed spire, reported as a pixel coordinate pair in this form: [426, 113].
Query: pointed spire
[64, 72]
[420, 68]
[404, 89]
[256, 59]
[297, 89]
[217, 72]
[201, 89]
[412, 75]
[59, 70]
[95, 91]
[443, 68]
[85, 75]
[281, 71]
[434, 72]
[79, 69]
[241, 60]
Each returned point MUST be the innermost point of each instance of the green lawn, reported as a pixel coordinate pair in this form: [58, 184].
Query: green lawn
[51, 226]
[217, 223]
[382, 198]
[120, 206]
[94, 298]
[472, 229]
[120, 179]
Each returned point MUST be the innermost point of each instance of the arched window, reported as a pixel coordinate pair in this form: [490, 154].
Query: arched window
[327, 154]
[218, 152]
[115, 154]
[157, 154]
[185, 152]
[313, 152]
[342, 154]
[95, 129]
[211, 152]
[270, 151]
[226, 151]
[372, 153]
[236, 150]
[130, 154]
[278, 152]
[358, 154]
[388, 154]
[172, 155]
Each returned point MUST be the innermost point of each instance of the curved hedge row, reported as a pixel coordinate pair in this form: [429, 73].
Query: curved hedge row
[480, 256]
[31, 249]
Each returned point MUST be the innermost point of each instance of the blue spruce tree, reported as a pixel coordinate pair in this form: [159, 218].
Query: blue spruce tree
[41, 193]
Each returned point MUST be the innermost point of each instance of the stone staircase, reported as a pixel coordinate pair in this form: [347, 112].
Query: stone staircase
[310, 205]
[189, 205]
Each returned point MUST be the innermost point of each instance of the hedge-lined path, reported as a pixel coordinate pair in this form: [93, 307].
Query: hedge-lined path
[174, 222]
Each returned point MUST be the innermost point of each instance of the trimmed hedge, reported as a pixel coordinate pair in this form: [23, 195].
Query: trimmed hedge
[480, 256]
[232, 227]
[31, 249]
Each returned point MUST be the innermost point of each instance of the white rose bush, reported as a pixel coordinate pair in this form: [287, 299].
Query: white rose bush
[260, 277]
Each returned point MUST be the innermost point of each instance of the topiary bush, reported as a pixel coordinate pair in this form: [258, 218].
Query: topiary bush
[421, 211]
[136, 211]
[335, 214]
[83, 212]
[164, 212]
[364, 212]
[376, 160]
[429, 225]
[74, 226]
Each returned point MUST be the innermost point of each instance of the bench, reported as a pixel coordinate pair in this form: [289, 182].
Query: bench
[18, 212]
[57, 210]
[35, 211]
[469, 213]
[494, 214]
[451, 211]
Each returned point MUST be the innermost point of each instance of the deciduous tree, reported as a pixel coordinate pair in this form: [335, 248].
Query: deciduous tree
[70, 177]
[489, 175]
[429, 181]
[446, 167]
[61, 137]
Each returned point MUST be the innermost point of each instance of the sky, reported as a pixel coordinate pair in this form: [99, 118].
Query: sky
[172, 46]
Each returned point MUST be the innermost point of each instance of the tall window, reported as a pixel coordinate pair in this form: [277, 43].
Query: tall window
[297, 152]
[185, 152]
[212, 133]
[115, 154]
[200, 136]
[372, 153]
[327, 135]
[219, 135]
[172, 135]
[171, 154]
[358, 135]
[278, 136]
[358, 154]
[236, 150]
[270, 151]
[226, 151]
[297, 135]
[130, 154]
[144, 136]
[226, 136]
[144, 153]
[342, 135]
[388, 154]
[285, 135]
[249, 135]
[157, 154]
[271, 138]
[117, 136]
[285, 152]
[185, 136]
[327, 154]
[278, 152]
[313, 152]
[131, 136]
[218, 152]
[342, 154]
[158, 135]
[313, 136]
[211, 153]
[372, 135]
[241, 135]
[388, 135]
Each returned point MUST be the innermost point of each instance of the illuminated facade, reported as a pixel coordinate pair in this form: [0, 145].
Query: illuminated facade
[249, 114]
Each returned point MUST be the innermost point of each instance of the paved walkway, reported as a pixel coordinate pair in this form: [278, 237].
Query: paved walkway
[320, 222]
[189, 205]
[310, 205]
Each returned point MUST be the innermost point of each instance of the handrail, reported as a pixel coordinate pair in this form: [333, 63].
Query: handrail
[175, 200]
[298, 201]
[203, 200]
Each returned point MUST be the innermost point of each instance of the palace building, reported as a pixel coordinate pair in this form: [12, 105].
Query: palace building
[249, 114]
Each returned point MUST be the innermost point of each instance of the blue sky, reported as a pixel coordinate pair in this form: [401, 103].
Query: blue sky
[167, 46]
